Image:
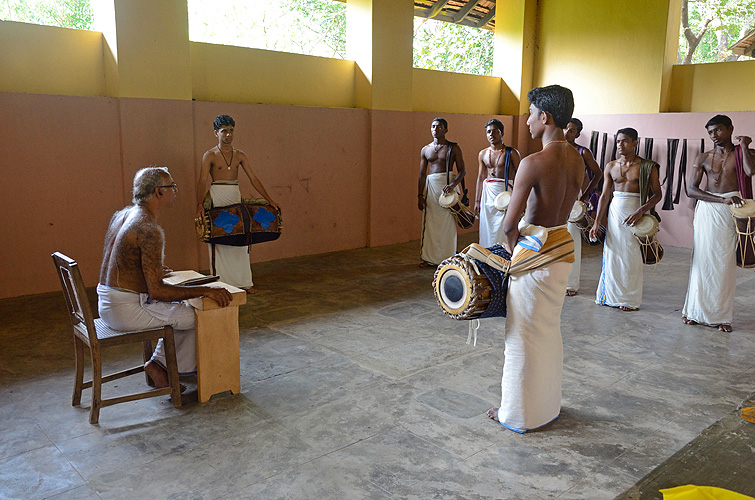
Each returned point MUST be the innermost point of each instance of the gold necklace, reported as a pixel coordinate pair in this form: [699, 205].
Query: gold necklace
[490, 156]
[551, 142]
[439, 146]
[227, 163]
[624, 172]
[717, 179]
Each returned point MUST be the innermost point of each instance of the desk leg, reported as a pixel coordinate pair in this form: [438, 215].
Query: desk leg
[218, 368]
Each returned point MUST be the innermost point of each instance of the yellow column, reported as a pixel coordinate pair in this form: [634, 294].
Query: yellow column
[514, 52]
[379, 37]
[148, 46]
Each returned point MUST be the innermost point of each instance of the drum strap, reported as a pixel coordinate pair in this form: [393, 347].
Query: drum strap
[646, 170]
[506, 163]
[212, 260]
[464, 191]
[744, 182]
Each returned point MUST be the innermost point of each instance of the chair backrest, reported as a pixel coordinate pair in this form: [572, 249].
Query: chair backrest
[76, 296]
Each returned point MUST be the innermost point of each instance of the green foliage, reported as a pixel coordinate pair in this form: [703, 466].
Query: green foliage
[63, 13]
[314, 27]
[730, 20]
[452, 47]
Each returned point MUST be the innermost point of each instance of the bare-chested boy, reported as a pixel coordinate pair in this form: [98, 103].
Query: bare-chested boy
[131, 292]
[438, 225]
[624, 181]
[222, 164]
[495, 174]
[713, 276]
[548, 184]
[571, 133]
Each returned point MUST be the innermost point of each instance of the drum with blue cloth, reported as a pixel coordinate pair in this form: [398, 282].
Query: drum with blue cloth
[242, 224]
[467, 288]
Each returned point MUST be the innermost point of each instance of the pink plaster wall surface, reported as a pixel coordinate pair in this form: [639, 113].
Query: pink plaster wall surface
[312, 161]
[159, 132]
[676, 225]
[62, 182]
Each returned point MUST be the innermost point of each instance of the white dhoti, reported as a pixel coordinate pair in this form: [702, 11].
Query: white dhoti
[573, 282]
[533, 355]
[438, 225]
[491, 219]
[126, 310]
[229, 262]
[713, 275]
[621, 279]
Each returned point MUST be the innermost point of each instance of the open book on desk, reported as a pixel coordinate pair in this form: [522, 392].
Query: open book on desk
[188, 278]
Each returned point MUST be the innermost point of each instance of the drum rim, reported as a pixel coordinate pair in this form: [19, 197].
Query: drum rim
[454, 197]
[439, 290]
[738, 213]
[654, 226]
[582, 211]
[500, 196]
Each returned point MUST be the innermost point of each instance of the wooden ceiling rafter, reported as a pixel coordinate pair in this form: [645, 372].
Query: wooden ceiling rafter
[473, 13]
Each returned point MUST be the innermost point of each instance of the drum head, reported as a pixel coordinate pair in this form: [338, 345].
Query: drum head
[578, 211]
[745, 211]
[646, 226]
[448, 200]
[453, 288]
[501, 201]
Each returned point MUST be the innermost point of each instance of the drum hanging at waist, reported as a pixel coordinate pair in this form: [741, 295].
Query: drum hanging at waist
[644, 232]
[467, 288]
[241, 224]
[744, 218]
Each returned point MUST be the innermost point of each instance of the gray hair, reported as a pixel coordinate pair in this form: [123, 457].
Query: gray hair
[146, 181]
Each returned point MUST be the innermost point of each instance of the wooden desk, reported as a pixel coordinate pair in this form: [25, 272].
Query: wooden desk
[217, 334]
[218, 368]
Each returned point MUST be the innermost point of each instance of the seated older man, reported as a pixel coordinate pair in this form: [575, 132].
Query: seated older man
[131, 293]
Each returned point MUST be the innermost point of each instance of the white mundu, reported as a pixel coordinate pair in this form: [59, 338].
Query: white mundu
[438, 225]
[713, 275]
[491, 219]
[230, 263]
[533, 354]
[124, 309]
[621, 279]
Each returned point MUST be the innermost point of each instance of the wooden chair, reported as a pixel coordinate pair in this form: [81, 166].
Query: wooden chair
[94, 333]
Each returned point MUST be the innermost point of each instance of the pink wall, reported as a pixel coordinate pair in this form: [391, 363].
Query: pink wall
[676, 225]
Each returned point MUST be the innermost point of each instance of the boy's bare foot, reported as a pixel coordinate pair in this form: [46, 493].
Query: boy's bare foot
[724, 327]
[629, 309]
[570, 292]
[251, 290]
[425, 264]
[159, 375]
[688, 321]
[493, 414]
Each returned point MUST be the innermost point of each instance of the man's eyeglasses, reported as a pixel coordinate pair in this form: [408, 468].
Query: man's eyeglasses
[173, 186]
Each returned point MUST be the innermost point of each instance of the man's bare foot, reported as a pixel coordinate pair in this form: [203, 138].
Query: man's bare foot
[159, 375]
[629, 309]
[688, 321]
[493, 414]
[570, 292]
[425, 264]
[724, 328]
[251, 290]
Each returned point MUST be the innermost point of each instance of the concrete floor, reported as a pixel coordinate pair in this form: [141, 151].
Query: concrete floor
[354, 385]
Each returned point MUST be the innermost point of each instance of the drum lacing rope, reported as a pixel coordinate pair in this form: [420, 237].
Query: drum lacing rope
[474, 324]
[742, 249]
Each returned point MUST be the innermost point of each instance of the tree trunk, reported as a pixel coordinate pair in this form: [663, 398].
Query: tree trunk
[692, 40]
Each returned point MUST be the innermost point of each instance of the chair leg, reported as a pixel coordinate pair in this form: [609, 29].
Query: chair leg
[170, 360]
[78, 378]
[147, 346]
[94, 412]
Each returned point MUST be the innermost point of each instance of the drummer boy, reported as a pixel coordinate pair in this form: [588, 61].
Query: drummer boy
[222, 163]
[727, 169]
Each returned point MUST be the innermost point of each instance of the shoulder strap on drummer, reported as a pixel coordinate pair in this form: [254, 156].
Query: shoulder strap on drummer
[744, 183]
[449, 153]
[646, 169]
[506, 163]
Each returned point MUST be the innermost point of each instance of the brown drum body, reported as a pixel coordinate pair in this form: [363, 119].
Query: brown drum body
[242, 224]
[651, 248]
[462, 293]
[745, 241]
[464, 216]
